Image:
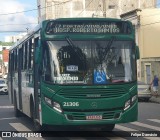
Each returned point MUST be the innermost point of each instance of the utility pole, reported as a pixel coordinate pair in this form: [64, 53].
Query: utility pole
[104, 8]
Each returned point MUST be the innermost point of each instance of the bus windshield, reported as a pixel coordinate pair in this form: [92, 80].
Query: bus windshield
[89, 62]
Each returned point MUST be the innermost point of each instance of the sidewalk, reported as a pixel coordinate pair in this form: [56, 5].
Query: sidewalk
[154, 99]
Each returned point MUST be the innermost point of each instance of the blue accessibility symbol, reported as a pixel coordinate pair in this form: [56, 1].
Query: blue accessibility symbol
[100, 77]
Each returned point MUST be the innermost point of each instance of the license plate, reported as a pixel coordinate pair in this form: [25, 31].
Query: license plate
[94, 117]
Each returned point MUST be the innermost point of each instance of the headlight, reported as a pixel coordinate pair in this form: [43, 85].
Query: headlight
[130, 102]
[52, 104]
[134, 98]
[127, 105]
[57, 107]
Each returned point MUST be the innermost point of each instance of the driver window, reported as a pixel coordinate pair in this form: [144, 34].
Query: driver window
[46, 66]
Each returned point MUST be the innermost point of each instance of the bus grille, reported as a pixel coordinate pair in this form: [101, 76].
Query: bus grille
[81, 93]
[105, 116]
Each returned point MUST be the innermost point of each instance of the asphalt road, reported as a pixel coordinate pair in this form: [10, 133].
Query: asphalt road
[148, 121]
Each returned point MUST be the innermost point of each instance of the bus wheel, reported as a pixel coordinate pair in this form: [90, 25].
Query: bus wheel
[108, 127]
[16, 111]
[37, 125]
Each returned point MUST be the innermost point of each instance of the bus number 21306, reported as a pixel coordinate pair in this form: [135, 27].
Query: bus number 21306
[70, 103]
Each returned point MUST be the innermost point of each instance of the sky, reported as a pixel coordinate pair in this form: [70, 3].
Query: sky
[17, 21]
[158, 3]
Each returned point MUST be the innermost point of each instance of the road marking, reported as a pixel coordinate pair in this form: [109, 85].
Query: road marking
[154, 120]
[20, 128]
[123, 128]
[7, 118]
[1, 138]
[146, 126]
[127, 129]
[6, 106]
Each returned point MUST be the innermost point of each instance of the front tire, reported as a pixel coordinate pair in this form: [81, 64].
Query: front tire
[17, 113]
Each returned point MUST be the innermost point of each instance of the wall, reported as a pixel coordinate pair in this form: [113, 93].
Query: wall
[149, 43]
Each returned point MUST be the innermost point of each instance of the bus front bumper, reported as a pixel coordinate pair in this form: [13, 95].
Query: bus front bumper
[53, 117]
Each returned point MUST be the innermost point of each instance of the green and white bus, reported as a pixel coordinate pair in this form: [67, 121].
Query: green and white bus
[76, 72]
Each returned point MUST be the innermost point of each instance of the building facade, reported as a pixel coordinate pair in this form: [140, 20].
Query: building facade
[149, 44]
[146, 22]
[51, 9]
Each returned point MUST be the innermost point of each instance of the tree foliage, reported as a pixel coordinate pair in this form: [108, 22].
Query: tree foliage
[6, 43]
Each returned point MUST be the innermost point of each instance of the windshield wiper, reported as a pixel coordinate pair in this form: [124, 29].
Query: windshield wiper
[108, 46]
[74, 48]
[102, 54]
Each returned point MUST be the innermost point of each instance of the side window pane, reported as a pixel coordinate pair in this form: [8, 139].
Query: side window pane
[30, 55]
[25, 56]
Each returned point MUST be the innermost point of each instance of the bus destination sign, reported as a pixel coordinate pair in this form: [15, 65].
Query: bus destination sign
[88, 27]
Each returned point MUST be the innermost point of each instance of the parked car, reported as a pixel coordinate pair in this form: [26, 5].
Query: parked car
[144, 91]
[5, 76]
[3, 86]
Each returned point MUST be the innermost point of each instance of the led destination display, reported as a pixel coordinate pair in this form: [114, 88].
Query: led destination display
[98, 27]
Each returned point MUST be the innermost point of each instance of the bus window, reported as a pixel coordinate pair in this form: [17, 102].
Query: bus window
[25, 55]
[30, 55]
[46, 65]
[15, 60]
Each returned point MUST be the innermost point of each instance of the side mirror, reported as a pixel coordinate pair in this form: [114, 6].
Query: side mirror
[137, 53]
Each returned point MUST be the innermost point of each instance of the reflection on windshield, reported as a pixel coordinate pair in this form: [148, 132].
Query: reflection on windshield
[89, 62]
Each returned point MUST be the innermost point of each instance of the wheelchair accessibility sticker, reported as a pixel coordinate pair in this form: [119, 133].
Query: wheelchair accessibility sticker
[100, 77]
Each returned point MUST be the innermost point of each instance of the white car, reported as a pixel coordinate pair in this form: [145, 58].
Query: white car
[5, 76]
[144, 91]
[3, 87]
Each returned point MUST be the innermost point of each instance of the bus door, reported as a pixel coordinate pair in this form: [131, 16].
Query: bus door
[36, 78]
[20, 64]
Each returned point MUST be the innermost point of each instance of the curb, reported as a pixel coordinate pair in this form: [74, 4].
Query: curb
[155, 100]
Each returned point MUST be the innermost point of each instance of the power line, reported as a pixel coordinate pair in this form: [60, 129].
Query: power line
[98, 6]
[18, 12]
[11, 31]
[17, 24]
[85, 8]
[31, 9]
